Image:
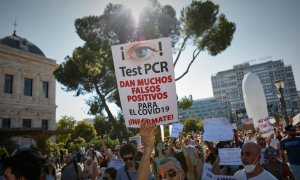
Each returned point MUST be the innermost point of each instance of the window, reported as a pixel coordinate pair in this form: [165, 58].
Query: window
[45, 124]
[6, 123]
[8, 84]
[27, 87]
[46, 89]
[26, 123]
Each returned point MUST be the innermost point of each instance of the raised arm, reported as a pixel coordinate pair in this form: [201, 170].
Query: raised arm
[147, 132]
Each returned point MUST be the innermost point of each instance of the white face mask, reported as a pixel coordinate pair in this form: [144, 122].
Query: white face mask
[250, 167]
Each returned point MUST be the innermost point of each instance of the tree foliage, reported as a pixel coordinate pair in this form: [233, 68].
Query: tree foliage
[185, 102]
[192, 125]
[84, 130]
[65, 123]
[90, 69]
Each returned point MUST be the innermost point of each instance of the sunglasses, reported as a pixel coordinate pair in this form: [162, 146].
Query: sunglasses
[169, 173]
[128, 159]
[104, 178]
[262, 143]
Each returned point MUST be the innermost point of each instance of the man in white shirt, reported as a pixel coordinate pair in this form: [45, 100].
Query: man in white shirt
[250, 155]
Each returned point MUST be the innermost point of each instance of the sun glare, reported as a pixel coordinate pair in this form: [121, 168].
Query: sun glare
[136, 8]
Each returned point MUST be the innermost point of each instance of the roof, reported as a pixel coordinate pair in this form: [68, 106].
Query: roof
[17, 42]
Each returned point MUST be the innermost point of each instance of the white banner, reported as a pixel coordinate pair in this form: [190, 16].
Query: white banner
[146, 81]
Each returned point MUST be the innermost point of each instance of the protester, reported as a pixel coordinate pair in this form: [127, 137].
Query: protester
[71, 171]
[228, 170]
[129, 170]
[275, 166]
[90, 167]
[110, 174]
[261, 142]
[250, 156]
[291, 145]
[250, 138]
[23, 165]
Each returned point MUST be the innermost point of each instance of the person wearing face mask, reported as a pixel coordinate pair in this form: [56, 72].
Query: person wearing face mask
[250, 156]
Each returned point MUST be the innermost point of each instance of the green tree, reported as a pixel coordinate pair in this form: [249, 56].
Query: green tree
[102, 126]
[192, 125]
[85, 130]
[185, 102]
[90, 69]
[65, 123]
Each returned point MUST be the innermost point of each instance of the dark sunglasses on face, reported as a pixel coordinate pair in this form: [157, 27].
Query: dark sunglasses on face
[104, 178]
[129, 158]
[262, 143]
[170, 173]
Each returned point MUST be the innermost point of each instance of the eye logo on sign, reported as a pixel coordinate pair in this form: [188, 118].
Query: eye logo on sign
[141, 51]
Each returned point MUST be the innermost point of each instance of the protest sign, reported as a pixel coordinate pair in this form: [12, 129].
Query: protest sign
[217, 129]
[138, 139]
[234, 126]
[247, 124]
[223, 177]
[146, 81]
[264, 127]
[207, 173]
[230, 156]
[176, 129]
[116, 163]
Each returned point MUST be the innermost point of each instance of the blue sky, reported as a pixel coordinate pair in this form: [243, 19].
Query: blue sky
[265, 30]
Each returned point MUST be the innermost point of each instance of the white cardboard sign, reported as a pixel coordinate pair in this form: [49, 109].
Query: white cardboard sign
[176, 130]
[230, 156]
[146, 81]
[217, 129]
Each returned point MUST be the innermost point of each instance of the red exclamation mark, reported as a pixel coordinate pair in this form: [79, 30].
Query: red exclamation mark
[160, 48]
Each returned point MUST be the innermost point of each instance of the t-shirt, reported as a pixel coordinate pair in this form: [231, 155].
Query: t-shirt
[122, 175]
[292, 147]
[265, 175]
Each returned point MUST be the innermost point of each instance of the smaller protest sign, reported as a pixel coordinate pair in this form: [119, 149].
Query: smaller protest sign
[230, 156]
[138, 139]
[264, 127]
[176, 130]
[207, 173]
[247, 124]
[217, 129]
[234, 126]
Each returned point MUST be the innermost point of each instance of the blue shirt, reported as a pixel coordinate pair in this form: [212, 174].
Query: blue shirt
[292, 147]
[122, 175]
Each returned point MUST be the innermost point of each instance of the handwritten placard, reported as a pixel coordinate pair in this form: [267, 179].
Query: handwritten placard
[264, 127]
[176, 130]
[230, 156]
[217, 129]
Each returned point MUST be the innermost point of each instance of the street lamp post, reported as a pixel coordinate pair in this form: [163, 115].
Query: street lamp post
[280, 85]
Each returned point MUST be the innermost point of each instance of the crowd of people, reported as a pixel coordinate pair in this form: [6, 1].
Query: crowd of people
[274, 157]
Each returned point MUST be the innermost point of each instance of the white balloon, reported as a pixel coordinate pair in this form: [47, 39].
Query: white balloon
[254, 98]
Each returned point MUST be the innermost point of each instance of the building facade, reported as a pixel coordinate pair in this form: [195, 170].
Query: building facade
[27, 94]
[227, 86]
[206, 108]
